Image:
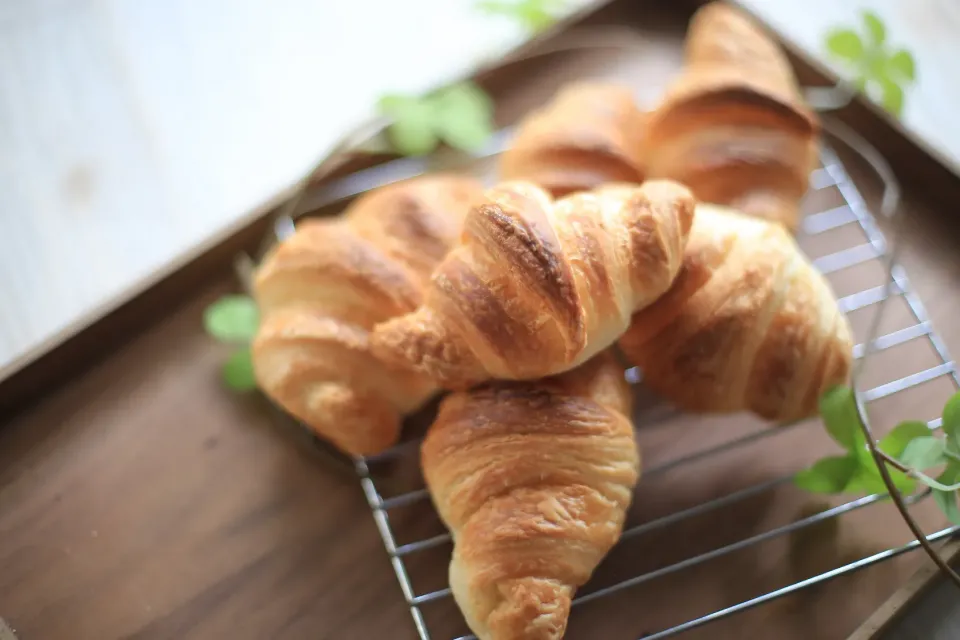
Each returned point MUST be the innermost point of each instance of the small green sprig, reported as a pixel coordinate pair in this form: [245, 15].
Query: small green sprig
[461, 115]
[877, 70]
[533, 16]
[911, 443]
[233, 320]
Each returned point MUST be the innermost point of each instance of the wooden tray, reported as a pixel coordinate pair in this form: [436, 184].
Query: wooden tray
[139, 499]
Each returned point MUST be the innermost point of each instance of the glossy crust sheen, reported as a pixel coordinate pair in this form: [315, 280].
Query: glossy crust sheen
[733, 125]
[748, 324]
[537, 286]
[323, 289]
[533, 479]
[589, 134]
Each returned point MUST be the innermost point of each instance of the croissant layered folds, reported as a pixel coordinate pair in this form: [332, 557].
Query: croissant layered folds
[538, 286]
[533, 479]
[323, 289]
[733, 126]
[588, 135]
[748, 324]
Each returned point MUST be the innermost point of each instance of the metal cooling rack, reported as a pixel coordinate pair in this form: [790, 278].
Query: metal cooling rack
[853, 211]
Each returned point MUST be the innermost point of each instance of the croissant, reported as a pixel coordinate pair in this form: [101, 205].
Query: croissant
[748, 324]
[538, 286]
[533, 479]
[322, 290]
[733, 126]
[588, 135]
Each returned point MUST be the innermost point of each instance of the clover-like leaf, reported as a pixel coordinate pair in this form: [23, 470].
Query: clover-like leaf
[901, 66]
[838, 409]
[876, 31]
[232, 318]
[923, 453]
[895, 442]
[846, 45]
[828, 475]
[238, 371]
[463, 115]
[891, 96]
[412, 131]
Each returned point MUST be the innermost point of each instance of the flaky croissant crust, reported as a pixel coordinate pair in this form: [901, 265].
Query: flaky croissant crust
[589, 134]
[733, 126]
[749, 324]
[323, 289]
[538, 286]
[533, 479]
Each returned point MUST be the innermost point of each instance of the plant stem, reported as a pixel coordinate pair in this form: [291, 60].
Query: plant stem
[895, 463]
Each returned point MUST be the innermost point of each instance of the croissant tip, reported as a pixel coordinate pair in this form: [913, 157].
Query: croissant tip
[391, 342]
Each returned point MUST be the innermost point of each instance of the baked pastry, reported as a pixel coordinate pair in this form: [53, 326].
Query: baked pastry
[533, 479]
[536, 286]
[322, 290]
[588, 135]
[748, 324]
[733, 126]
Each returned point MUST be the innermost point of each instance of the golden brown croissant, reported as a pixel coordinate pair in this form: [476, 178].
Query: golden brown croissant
[733, 126]
[748, 324]
[589, 134]
[322, 290]
[533, 479]
[537, 286]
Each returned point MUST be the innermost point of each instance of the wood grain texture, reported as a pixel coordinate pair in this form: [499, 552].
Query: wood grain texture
[144, 501]
[147, 502]
[922, 608]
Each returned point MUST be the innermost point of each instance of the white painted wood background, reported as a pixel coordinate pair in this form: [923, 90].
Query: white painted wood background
[135, 132]
[929, 29]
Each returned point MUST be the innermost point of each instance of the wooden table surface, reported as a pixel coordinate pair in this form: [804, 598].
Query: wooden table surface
[141, 500]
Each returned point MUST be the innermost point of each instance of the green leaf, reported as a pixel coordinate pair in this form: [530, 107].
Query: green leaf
[901, 66]
[533, 15]
[951, 419]
[839, 412]
[845, 44]
[876, 31]
[947, 500]
[891, 96]
[923, 453]
[535, 19]
[238, 371]
[895, 442]
[866, 480]
[829, 475]
[868, 477]
[874, 66]
[463, 115]
[232, 318]
[412, 137]
[904, 483]
[412, 131]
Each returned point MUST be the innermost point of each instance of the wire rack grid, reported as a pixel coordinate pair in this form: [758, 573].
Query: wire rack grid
[852, 211]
